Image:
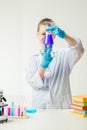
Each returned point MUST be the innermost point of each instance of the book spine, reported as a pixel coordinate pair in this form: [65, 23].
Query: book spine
[81, 111]
[79, 103]
[79, 99]
[82, 115]
[76, 107]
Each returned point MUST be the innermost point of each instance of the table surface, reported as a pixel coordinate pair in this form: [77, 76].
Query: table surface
[50, 119]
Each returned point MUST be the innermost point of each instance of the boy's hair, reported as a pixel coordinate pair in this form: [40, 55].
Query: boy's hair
[45, 21]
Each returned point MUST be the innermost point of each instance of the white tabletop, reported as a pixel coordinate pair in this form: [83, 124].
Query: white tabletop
[52, 119]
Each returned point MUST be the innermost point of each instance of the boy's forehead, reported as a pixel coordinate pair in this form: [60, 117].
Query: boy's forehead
[42, 28]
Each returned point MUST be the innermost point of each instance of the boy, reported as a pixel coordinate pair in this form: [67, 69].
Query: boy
[48, 71]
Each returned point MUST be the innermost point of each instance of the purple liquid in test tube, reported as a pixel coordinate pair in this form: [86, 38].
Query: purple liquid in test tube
[48, 39]
[9, 111]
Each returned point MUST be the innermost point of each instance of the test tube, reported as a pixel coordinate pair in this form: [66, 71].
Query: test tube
[9, 111]
[19, 111]
[12, 109]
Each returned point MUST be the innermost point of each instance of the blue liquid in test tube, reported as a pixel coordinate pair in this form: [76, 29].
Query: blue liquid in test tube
[12, 109]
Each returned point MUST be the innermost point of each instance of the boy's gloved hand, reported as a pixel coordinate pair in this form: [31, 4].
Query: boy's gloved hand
[46, 57]
[56, 31]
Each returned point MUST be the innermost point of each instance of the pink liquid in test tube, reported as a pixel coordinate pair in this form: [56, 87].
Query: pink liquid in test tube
[9, 111]
[19, 111]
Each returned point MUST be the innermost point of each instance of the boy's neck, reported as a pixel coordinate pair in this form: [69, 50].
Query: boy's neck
[41, 49]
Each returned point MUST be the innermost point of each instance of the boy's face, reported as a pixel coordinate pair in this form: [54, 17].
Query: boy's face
[41, 33]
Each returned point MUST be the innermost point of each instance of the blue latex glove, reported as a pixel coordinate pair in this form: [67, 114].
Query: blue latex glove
[46, 57]
[56, 31]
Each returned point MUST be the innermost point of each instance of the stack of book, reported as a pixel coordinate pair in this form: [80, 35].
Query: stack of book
[79, 105]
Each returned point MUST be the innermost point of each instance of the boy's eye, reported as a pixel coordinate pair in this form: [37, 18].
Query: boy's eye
[43, 34]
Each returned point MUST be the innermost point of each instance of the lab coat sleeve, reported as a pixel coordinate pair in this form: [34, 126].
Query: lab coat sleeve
[75, 52]
[32, 75]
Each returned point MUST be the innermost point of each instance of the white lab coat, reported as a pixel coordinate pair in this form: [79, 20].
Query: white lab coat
[54, 91]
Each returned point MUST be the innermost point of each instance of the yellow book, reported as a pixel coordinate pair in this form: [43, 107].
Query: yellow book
[80, 98]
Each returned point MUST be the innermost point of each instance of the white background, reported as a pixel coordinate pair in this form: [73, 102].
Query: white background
[18, 25]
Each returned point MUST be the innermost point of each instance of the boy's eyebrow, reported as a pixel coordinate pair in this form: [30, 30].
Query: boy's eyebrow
[42, 32]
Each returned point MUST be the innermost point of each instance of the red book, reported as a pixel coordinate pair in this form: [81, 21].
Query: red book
[78, 107]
